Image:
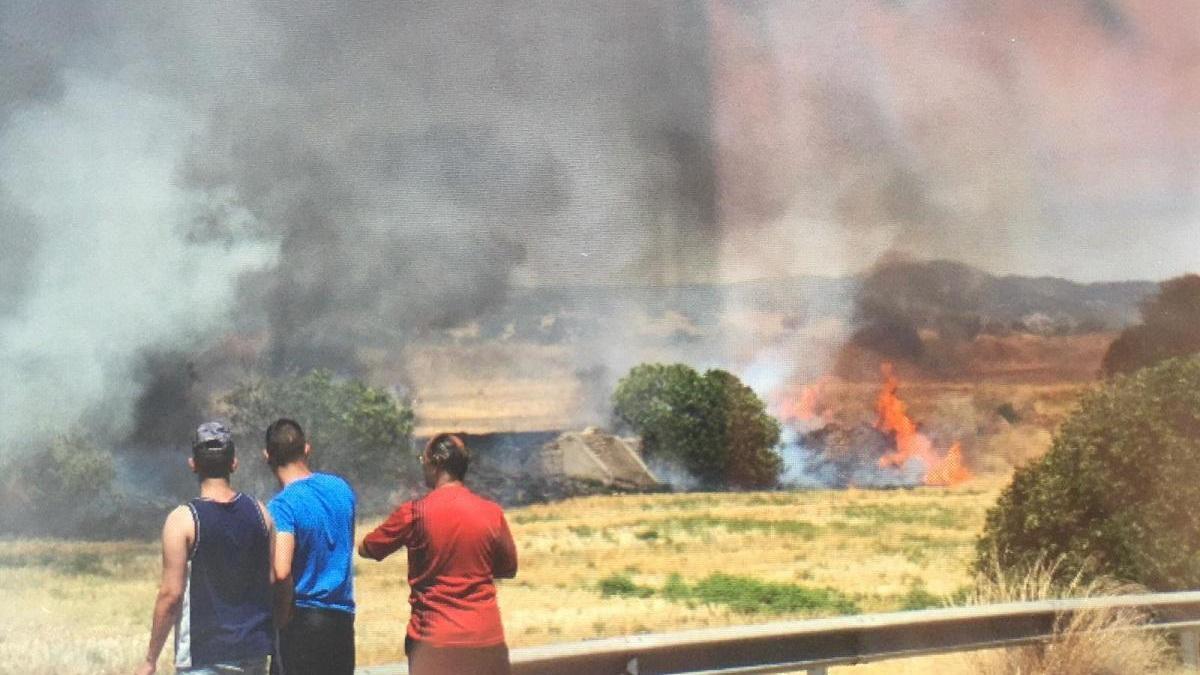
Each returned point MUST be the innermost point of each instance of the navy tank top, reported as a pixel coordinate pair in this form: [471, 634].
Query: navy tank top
[227, 603]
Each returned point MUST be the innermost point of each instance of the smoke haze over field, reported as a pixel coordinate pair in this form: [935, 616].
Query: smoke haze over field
[331, 175]
[1017, 136]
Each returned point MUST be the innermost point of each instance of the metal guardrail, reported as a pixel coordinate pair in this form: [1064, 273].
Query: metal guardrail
[814, 645]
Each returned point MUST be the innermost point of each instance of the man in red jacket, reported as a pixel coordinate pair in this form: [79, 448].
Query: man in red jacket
[458, 543]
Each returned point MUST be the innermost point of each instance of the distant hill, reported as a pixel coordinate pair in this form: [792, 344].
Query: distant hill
[1011, 303]
[548, 358]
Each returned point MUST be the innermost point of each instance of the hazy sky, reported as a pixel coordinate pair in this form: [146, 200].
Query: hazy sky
[169, 171]
[1024, 137]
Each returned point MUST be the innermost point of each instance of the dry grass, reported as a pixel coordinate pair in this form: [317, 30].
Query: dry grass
[85, 607]
[1100, 642]
[75, 607]
[875, 546]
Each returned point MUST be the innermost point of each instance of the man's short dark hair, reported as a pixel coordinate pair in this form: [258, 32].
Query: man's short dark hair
[213, 451]
[285, 442]
[448, 452]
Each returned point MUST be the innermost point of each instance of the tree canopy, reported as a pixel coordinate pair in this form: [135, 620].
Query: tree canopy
[1117, 492]
[1170, 327]
[359, 431]
[711, 425]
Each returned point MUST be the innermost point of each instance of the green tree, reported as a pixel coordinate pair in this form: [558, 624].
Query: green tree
[359, 431]
[714, 426]
[1117, 492]
[49, 489]
[1170, 327]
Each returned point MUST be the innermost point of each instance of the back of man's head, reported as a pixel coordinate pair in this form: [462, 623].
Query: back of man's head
[285, 442]
[448, 453]
[213, 451]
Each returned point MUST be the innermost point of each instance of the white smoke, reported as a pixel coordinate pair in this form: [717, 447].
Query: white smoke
[112, 273]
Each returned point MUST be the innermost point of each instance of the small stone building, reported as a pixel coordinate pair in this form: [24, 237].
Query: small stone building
[594, 455]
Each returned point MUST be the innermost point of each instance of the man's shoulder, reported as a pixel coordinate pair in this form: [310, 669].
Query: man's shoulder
[334, 482]
[485, 504]
[332, 478]
[181, 521]
[180, 513]
[279, 498]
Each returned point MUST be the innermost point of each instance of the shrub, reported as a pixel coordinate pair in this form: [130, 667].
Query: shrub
[1170, 328]
[621, 585]
[1116, 493]
[712, 425]
[358, 431]
[751, 596]
[918, 597]
[744, 595]
[1083, 643]
[49, 490]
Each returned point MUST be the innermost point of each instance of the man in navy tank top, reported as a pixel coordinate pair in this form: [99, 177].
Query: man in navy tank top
[217, 573]
[314, 515]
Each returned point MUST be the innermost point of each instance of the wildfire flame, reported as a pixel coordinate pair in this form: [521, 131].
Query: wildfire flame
[808, 406]
[893, 419]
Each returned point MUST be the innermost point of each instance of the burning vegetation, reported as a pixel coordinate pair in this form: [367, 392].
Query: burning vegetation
[891, 452]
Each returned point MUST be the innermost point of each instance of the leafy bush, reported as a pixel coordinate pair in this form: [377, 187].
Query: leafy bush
[358, 431]
[622, 586]
[1170, 328]
[741, 594]
[712, 425]
[49, 490]
[918, 597]
[1116, 493]
[751, 596]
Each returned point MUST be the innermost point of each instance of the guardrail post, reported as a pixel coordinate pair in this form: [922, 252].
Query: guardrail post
[1189, 648]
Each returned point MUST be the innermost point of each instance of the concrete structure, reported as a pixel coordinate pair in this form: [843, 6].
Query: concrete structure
[596, 456]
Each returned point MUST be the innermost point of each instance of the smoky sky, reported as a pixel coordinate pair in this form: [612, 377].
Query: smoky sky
[330, 176]
[325, 175]
[1017, 136]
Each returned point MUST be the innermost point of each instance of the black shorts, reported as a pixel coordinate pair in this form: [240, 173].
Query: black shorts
[426, 659]
[316, 642]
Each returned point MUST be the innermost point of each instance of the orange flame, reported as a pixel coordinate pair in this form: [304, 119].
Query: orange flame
[950, 470]
[910, 442]
[808, 406]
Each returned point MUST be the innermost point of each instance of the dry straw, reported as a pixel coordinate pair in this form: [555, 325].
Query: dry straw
[1093, 642]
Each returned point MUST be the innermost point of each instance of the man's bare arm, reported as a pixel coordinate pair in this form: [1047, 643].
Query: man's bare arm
[284, 551]
[178, 534]
[270, 523]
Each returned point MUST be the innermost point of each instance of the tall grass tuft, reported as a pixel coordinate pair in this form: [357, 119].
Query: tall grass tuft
[1095, 642]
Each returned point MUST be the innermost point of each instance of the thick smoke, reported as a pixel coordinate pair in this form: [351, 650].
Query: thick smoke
[330, 177]
[323, 179]
[899, 298]
[412, 161]
[1013, 136]
[107, 273]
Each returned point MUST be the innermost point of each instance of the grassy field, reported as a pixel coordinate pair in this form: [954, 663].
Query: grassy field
[591, 567]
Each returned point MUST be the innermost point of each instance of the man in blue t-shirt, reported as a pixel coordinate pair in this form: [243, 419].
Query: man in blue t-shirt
[314, 522]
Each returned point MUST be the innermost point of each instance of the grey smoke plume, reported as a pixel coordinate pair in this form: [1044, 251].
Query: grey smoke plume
[328, 176]
[333, 176]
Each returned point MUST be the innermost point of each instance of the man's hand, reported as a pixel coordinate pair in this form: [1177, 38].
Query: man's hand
[147, 668]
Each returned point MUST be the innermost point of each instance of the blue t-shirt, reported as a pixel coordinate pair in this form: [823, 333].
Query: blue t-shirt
[319, 512]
